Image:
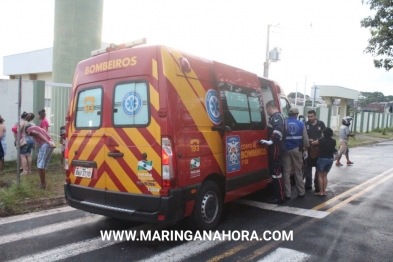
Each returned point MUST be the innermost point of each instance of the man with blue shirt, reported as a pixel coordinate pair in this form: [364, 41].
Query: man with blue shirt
[296, 144]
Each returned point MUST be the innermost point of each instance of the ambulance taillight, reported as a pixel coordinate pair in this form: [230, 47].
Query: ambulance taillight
[66, 158]
[168, 173]
[66, 164]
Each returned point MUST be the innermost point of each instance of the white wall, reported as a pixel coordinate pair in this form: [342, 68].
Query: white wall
[33, 62]
[9, 109]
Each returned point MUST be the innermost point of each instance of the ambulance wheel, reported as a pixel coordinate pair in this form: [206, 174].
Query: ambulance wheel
[208, 207]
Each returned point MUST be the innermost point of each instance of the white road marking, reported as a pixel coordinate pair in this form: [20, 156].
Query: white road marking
[77, 248]
[285, 254]
[67, 251]
[284, 209]
[184, 251]
[49, 229]
[6, 220]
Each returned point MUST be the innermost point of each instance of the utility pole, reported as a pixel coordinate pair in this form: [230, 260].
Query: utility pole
[304, 96]
[271, 55]
[296, 95]
[267, 62]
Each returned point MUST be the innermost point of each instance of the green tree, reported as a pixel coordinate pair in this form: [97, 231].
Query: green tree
[380, 45]
[372, 97]
[293, 95]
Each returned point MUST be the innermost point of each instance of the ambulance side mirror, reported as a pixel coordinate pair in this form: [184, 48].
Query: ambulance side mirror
[221, 128]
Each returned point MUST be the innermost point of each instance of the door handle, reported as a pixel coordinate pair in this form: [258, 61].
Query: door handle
[112, 154]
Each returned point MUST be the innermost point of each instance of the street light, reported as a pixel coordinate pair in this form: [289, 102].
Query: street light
[271, 55]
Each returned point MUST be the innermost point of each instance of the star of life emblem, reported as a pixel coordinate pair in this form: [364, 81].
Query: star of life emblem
[132, 103]
[213, 106]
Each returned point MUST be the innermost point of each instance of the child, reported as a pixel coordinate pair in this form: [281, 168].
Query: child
[63, 144]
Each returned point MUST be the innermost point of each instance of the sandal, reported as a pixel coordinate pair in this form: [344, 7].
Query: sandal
[349, 163]
[23, 173]
[316, 194]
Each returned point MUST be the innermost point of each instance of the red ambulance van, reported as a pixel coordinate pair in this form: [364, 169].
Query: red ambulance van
[156, 135]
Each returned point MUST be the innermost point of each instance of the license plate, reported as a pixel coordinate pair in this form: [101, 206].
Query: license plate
[86, 172]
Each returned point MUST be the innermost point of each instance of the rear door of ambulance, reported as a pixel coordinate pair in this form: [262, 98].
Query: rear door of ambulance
[133, 149]
[115, 147]
[87, 138]
[243, 111]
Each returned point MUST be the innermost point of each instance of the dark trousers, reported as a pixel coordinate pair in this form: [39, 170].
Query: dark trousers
[308, 175]
[275, 166]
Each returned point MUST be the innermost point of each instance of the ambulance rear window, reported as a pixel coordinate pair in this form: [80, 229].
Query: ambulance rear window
[88, 111]
[131, 104]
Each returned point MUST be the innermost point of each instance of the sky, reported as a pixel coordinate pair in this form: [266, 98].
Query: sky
[322, 41]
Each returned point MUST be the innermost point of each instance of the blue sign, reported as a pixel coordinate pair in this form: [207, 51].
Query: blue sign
[233, 153]
[213, 106]
[132, 103]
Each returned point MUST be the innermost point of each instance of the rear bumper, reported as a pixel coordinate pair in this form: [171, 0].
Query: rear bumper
[172, 207]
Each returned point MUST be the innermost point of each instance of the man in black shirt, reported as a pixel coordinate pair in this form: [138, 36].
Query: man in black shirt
[314, 129]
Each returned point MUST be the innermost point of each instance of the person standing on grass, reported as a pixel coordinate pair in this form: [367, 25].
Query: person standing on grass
[25, 150]
[44, 122]
[46, 145]
[327, 147]
[3, 145]
[30, 144]
[63, 142]
[344, 136]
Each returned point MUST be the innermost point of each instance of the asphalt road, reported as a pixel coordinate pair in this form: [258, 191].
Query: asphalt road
[353, 223]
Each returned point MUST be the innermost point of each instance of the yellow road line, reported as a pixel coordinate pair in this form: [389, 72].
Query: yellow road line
[230, 252]
[349, 191]
[260, 251]
[266, 248]
[346, 201]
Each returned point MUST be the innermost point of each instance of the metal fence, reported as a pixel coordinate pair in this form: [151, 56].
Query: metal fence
[56, 104]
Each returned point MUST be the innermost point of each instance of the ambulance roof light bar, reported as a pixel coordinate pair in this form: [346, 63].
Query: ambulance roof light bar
[136, 43]
[112, 46]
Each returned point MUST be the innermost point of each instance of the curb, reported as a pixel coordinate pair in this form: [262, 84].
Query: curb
[372, 142]
[44, 203]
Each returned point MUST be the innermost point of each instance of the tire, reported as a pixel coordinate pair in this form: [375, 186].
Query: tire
[207, 208]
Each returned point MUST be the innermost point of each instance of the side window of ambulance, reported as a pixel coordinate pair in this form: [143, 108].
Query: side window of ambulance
[242, 107]
[131, 102]
[88, 111]
[284, 106]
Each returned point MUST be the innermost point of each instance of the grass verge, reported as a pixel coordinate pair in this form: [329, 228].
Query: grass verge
[353, 142]
[385, 133]
[14, 198]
